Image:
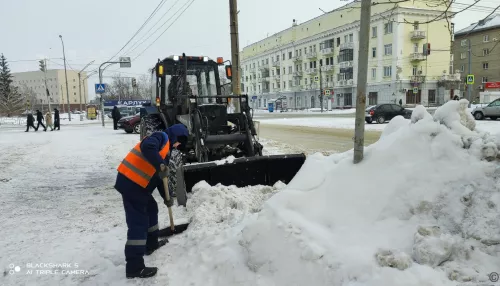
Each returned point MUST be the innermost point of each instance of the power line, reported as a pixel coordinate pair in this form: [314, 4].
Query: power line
[135, 46]
[144, 24]
[192, 1]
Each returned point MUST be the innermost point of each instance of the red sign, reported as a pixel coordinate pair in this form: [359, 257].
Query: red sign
[492, 84]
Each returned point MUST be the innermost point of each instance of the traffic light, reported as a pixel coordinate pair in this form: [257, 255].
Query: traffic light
[427, 49]
[134, 82]
[42, 65]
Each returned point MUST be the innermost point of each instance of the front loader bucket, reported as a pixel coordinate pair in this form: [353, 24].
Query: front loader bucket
[247, 171]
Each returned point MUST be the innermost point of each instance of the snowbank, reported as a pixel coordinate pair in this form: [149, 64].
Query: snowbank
[423, 208]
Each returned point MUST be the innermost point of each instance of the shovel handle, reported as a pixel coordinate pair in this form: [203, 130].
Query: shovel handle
[167, 197]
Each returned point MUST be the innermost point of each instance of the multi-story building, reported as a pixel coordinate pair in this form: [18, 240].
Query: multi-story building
[484, 40]
[289, 63]
[33, 83]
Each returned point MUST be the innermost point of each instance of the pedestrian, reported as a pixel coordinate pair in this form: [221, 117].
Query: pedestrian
[30, 122]
[138, 175]
[39, 119]
[48, 121]
[400, 102]
[115, 114]
[57, 120]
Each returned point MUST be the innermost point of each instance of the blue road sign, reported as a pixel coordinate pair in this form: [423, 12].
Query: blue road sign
[100, 88]
[254, 97]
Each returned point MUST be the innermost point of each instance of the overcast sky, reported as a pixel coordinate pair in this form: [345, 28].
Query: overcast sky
[97, 29]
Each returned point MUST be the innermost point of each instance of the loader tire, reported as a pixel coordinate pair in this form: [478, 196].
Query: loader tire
[180, 190]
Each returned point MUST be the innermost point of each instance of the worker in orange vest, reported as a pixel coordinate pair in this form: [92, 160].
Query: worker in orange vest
[138, 175]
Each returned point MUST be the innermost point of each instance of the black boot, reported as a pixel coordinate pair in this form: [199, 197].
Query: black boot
[146, 272]
[150, 250]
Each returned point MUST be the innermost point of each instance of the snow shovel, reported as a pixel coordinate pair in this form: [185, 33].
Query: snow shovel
[173, 229]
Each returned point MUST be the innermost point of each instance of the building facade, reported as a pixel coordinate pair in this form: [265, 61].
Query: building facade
[484, 57]
[293, 63]
[33, 85]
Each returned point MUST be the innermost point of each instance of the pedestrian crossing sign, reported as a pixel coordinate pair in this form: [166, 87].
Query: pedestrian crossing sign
[470, 79]
[100, 88]
[316, 79]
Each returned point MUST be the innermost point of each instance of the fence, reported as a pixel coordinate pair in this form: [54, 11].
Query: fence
[12, 121]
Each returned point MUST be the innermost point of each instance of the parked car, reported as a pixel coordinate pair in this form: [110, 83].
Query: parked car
[384, 112]
[131, 124]
[491, 111]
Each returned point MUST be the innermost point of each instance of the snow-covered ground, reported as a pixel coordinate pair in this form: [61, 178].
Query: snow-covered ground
[76, 119]
[348, 123]
[423, 208]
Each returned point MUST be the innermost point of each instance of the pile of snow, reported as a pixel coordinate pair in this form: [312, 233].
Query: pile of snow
[423, 208]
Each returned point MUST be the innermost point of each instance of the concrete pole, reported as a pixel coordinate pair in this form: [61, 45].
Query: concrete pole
[66, 76]
[359, 128]
[469, 86]
[235, 52]
[320, 86]
[46, 87]
[80, 89]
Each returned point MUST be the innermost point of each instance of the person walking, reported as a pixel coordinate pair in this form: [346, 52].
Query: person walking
[39, 119]
[115, 114]
[48, 121]
[30, 122]
[57, 120]
[139, 174]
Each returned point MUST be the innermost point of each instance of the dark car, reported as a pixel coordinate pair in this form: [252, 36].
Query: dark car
[131, 123]
[384, 112]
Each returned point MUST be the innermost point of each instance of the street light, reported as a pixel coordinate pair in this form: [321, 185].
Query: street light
[66, 76]
[80, 84]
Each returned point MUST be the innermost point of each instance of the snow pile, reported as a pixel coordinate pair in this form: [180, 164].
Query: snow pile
[423, 208]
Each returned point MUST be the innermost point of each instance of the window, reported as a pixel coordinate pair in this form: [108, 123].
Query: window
[486, 38]
[388, 49]
[289, 55]
[486, 52]
[347, 99]
[462, 68]
[290, 69]
[305, 66]
[415, 48]
[374, 73]
[432, 96]
[283, 57]
[388, 28]
[374, 32]
[351, 38]
[484, 79]
[290, 83]
[346, 38]
[374, 52]
[284, 70]
[462, 56]
[267, 61]
[485, 66]
[463, 43]
[327, 61]
[372, 98]
[305, 81]
[415, 26]
[284, 84]
[415, 70]
[338, 41]
[387, 71]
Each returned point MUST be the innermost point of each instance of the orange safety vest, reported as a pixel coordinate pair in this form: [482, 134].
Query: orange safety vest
[136, 168]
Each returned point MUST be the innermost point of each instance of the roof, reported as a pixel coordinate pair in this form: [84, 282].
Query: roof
[486, 24]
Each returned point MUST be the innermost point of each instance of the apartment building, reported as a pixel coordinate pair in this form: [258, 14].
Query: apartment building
[34, 82]
[484, 37]
[290, 63]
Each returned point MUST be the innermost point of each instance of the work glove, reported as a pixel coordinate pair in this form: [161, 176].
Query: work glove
[169, 203]
[163, 173]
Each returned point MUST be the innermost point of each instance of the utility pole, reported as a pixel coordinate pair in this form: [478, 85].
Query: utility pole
[359, 128]
[469, 86]
[66, 76]
[62, 99]
[80, 84]
[320, 85]
[43, 67]
[235, 52]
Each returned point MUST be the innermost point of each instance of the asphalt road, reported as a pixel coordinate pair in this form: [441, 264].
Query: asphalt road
[311, 140]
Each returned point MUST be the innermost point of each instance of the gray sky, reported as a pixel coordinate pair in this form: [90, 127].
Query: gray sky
[96, 30]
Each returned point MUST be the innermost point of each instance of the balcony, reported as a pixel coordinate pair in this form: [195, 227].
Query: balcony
[327, 68]
[417, 79]
[276, 77]
[297, 58]
[347, 64]
[297, 88]
[417, 35]
[350, 82]
[265, 90]
[417, 57]
[311, 71]
[252, 71]
[264, 79]
[347, 46]
[311, 55]
[329, 84]
[297, 74]
[276, 63]
[327, 51]
[451, 77]
[264, 68]
[341, 83]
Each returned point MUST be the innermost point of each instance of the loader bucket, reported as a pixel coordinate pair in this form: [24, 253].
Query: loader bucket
[248, 171]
